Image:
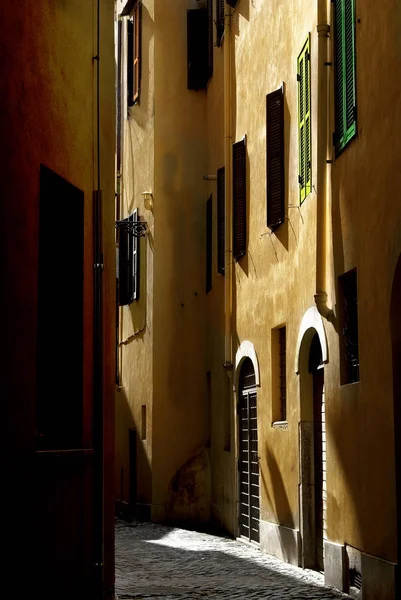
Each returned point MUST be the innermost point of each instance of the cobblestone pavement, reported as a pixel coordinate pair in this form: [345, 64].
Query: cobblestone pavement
[154, 561]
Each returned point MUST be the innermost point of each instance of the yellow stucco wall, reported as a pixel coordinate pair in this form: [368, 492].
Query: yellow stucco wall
[179, 137]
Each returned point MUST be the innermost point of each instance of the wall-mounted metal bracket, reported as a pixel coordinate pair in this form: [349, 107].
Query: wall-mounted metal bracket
[138, 228]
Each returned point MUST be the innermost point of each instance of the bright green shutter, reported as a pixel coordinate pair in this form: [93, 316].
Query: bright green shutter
[304, 122]
[345, 91]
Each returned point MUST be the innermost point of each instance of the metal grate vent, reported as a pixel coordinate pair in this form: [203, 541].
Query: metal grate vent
[355, 579]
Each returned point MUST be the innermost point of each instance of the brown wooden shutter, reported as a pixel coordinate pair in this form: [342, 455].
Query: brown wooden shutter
[130, 62]
[197, 48]
[220, 6]
[221, 215]
[137, 50]
[209, 218]
[239, 199]
[275, 158]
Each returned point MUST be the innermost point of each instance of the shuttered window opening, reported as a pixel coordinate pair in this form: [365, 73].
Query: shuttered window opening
[239, 198]
[275, 158]
[127, 262]
[209, 218]
[220, 6]
[134, 34]
[304, 122]
[348, 304]
[210, 36]
[197, 48]
[283, 374]
[345, 73]
[221, 215]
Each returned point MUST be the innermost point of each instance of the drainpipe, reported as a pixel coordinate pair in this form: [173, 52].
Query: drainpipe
[228, 291]
[323, 137]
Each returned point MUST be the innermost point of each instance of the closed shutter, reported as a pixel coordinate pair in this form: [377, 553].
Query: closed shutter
[220, 6]
[275, 158]
[210, 36]
[304, 122]
[345, 77]
[209, 216]
[197, 48]
[135, 260]
[221, 215]
[137, 50]
[239, 198]
[130, 62]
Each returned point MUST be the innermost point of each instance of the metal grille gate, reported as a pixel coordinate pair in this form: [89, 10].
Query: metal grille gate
[248, 463]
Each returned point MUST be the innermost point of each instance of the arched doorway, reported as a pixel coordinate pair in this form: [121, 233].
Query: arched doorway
[395, 329]
[312, 443]
[248, 472]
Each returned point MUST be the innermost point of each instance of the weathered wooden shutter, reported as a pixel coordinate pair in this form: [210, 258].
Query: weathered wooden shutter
[210, 36]
[209, 218]
[275, 158]
[137, 50]
[197, 48]
[221, 215]
[135, 260]
[130, 62]
[220, 6]
[345, 77]
[239, 199]
[304, 122]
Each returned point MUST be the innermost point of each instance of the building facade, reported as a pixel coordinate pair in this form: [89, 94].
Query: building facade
[258, 366]
[57, 121]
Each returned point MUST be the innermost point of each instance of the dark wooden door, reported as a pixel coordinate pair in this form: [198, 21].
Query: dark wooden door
[320, 465]
[249, 509]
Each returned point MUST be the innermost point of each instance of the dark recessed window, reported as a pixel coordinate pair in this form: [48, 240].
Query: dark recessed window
[349, 347]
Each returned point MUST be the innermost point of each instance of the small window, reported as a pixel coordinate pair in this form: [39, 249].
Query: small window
[349, 348]
[209, 240]
[197, 48]
[221, 215]
[345, 73]
[134, 31]
[275, 158]
[239, 199]
[279, 375]
[304, 122]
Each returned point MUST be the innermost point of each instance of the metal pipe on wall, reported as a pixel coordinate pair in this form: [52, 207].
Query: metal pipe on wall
[323, 29]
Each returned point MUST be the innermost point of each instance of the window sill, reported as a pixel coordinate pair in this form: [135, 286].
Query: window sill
[280, 425]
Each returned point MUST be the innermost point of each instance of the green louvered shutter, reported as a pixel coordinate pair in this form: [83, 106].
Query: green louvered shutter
[345, 79]
[304, 122]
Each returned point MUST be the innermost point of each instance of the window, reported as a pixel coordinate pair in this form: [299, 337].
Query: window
[197, 48]
[279, 374]
[127, 261]
[349, 349]
[221, 215]
[345, 78]
[239, 199]
[134, 54]
[209, 218]
[275, 158]
[304, 122]
[220, 5]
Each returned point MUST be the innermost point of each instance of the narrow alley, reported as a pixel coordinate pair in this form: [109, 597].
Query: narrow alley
[155, 561]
